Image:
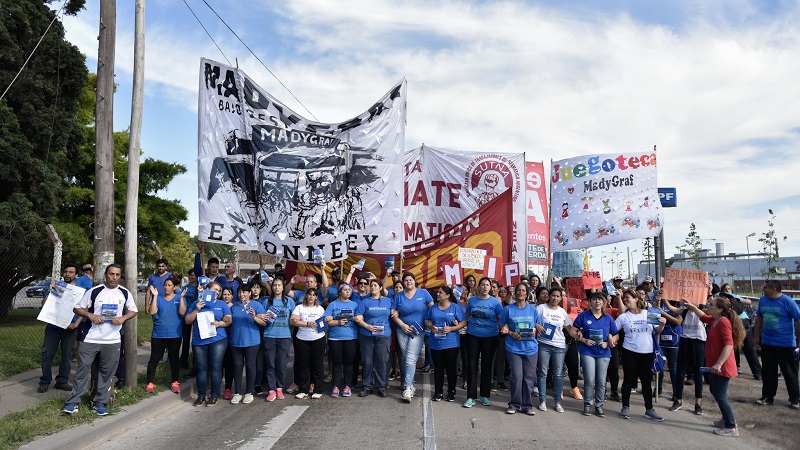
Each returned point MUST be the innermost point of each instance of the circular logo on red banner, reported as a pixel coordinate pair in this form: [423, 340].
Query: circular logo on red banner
[489, 175]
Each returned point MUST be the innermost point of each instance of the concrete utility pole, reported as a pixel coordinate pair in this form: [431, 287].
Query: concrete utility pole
[104, 138]
[132, 206]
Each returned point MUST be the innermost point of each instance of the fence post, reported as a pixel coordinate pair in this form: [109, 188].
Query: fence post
[57, 250]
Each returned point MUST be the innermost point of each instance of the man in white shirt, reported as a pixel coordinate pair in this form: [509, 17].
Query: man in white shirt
[107, 307]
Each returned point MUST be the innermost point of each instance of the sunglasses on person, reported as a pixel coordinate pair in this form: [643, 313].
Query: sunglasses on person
[362, 283]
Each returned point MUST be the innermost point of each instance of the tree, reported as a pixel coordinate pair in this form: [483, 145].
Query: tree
[38, 134]
[693, 246]
[158, 217]
[648, 252]
[769, 240]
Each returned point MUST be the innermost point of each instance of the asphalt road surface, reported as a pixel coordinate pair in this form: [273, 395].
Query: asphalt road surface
[372, 422]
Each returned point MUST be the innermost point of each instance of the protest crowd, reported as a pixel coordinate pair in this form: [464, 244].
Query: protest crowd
[478, 335]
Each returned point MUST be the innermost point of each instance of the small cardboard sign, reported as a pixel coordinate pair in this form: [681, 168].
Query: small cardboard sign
[591, 280]
[453, 274]
[471, 258]
[575, 288]
[511, 271]
[493, 267]
[688, 284]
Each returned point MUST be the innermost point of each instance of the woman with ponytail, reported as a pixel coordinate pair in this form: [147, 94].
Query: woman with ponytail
[724, 334]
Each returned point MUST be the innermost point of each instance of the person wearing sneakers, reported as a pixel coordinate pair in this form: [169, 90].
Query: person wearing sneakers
[483, 310]
[375, 338]
[245, 341]
[106, 306]
[596, 332]
[552, 347]
[208, 352]
[167, 312]
[777, 332]
[408, 313]
[56, 337]
[520, 323]
[309, 345]
[444, 319]
[342, 339]
[724, 334]
[277, 339]
[638, 355]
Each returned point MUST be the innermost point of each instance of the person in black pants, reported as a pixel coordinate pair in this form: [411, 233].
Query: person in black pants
[309, 346]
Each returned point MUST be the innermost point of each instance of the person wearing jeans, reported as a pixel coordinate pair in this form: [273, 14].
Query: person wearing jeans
[444, 319]
[552, 347]
[724, 334]
[520, 322]
[375, 338]
[595, 331]
[408, 313]
[208, 352]
[669, 341]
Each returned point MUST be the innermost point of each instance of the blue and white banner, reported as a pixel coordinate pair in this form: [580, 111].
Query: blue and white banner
[273, 180]
[603, 199]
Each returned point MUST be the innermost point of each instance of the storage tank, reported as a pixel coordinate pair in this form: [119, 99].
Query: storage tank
[720, 247]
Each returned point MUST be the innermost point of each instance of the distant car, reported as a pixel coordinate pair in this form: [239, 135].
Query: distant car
[38, 289]
[141, 285]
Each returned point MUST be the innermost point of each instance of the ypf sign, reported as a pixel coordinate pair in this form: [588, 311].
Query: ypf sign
[668, 197]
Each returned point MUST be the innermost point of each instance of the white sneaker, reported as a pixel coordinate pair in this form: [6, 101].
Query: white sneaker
[248, 398]
[413, 391]
[408, 394]
[559, 409]
[542, 406]
[236, 399]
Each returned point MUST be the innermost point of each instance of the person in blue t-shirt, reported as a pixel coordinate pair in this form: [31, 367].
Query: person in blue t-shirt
[167, 332]
[596, 331]
[374, 338]
[189, 295]
[245, 340]
[276, 340]
[157, 280]
[483, 310]
[520, 323]
[669, 341]
[209, 351]
[342, 339]
[777, 330]
[444, 319]
[408, 313]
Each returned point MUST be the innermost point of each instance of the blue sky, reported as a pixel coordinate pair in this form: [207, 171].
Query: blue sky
[711, 83]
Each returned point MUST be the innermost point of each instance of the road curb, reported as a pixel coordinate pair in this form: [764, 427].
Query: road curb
[106, 428]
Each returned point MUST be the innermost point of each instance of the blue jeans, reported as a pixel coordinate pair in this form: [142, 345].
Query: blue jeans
[208, 358]
[522, 373]
[672, 366]
[374, 360]
[594, 379]
[276, 357]
[550, 355]
[719, 389]
[410, 346]
[55, 338]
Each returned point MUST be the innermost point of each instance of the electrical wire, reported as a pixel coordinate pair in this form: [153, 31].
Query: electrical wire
[209, 34]
[259, 60]
[34, 50]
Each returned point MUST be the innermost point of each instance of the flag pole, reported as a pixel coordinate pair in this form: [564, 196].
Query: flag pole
[549, 222]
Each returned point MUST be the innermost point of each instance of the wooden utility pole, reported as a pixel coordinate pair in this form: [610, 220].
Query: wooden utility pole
[132, 205]
[104, 139]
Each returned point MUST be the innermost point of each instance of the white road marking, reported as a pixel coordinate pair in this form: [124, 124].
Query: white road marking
[275, 428]
[427, 414]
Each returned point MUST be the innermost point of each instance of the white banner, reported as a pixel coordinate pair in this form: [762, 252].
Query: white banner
[445, 186]
[603, 199]
[274, 180]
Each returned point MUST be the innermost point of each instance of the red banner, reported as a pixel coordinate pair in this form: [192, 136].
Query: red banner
[537, 211]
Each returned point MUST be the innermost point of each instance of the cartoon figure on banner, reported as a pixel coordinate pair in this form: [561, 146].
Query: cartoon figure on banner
[490, 184]
[628, 204]
[653, 223]
[605, 231]
[646, 203]
[279, 188]
[561, 239]
[319, 203]
[586, 201]
[630, 222]
[580, 232]
[565, 210]
[606, 208]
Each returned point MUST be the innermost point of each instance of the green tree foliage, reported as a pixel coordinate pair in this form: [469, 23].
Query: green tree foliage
[158, 217]
[770, 240]
[693, 246]
[38, 135]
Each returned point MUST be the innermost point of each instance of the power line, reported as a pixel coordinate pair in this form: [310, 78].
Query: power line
[34, 50]
[209, 34]
[259, 60]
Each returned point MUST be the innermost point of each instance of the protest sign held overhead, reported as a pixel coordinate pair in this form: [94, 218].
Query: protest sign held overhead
[273, 180]
[688, 284]
[568, 263]
[603, 199]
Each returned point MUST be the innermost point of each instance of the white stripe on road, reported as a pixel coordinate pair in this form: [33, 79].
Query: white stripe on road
[275, 428]
[427, 414]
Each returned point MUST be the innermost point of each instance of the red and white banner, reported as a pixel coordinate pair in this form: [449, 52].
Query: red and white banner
[442, 187]
[536, 209]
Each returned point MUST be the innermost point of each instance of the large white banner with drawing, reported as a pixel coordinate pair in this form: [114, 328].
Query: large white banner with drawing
[274, 180]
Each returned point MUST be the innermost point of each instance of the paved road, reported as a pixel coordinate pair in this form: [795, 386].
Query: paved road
[373, 422]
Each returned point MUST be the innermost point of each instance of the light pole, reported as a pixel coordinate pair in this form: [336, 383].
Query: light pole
[602, 269]
[629, 260]
[749, 270]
